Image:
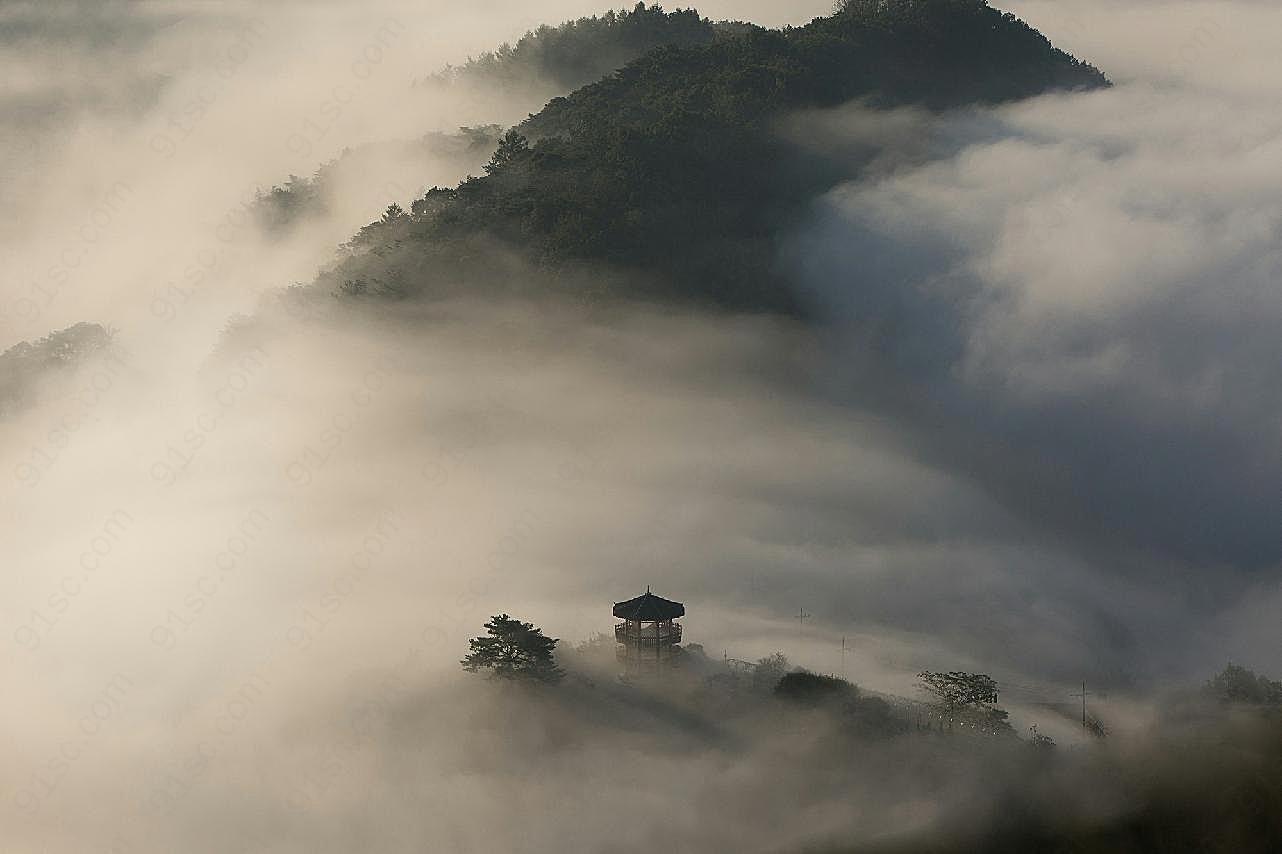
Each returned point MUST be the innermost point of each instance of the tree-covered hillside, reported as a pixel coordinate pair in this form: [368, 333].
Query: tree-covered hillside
[669, 173]
[547, 61]
[25, 365]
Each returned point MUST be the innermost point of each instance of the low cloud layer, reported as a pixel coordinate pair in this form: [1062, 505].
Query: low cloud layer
[245, 549]
[1075, 304]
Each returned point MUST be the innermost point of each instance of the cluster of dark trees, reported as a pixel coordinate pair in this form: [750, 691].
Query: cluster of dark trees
[280, 208]
[1237, 684]
[24, 365]
[861, 715]
[670, 172]
[578, 52]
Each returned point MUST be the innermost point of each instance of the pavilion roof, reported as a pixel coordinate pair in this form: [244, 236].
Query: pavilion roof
[649, 607]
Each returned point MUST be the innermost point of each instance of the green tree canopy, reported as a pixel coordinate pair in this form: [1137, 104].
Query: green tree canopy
[511, 649]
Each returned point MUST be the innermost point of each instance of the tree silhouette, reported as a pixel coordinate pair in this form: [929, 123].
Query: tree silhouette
[968, 697]
[511, 147]
[956, 690]
[769, 670]
[1237, 684]
[512, 649]
[813, 689]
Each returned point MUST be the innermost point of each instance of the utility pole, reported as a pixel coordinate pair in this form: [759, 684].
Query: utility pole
[1083, 695]
[843, 656]
[802, 616]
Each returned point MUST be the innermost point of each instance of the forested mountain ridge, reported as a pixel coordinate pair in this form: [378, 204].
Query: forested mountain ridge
[669, 172]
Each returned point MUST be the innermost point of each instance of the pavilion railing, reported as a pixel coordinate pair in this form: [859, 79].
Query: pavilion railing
[634, 635]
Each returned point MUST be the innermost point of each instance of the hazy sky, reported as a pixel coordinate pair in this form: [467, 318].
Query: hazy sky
[1039, 437]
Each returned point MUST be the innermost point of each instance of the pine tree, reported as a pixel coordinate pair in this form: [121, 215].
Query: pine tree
[512, 649]
[512, 147]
